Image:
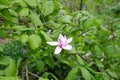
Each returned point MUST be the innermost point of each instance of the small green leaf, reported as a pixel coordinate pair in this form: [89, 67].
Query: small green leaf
[24, 12]
[47, 7]
[20, 28]
[24, 38]
[80, 60]
[32, 3]
[1, 49]
[41, 78]
[97, 51]
[46, 74]
[35, 18]
[46, 36]
[85, 73]
[72, 74]
[40, 65]
[12, 12]
[34, 41]
[66, 19]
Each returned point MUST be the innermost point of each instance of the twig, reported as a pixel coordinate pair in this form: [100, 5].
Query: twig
[34, 74]
[23, 73]
[27, 78]
[86, 58]
[83, 32]
[115, 21]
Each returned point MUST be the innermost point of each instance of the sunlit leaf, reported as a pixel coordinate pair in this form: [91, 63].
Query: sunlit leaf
[85, 73]
[72, 74]
[24, 38]
[34, 41]
[35, 18]
[24, 12]
[32, 3]
[10, 70]
[47, 8]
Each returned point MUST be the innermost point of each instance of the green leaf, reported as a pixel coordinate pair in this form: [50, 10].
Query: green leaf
[34, 41]
[24, 12]
[9, 78]
[97, 51]
[24, 38]
[41, 78]
[99, 64]
[1, 48]
[32, 3]
[35, 18]
[46, 74]
[50, 61]
[66, 19]
[40, 66]
[3, 6]
[10, 70]
[47, 8]
[20, 28]
[109, 51]
[12, 12]
[72, 74]
[85, 73]
[80, 60]
[112, 74]
[46, 36]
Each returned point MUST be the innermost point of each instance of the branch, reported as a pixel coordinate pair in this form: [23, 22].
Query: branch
[26, 68]
[33, 74]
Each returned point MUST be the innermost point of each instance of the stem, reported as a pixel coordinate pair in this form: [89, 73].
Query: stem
[81, 4]
[27, 78]
[34, 74]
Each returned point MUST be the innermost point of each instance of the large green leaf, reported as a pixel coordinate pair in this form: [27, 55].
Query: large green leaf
[34, 41]
[9, 78]
[24, 12]
[35, 18]
[32, 3]
[10, 70]
[109, 51]
[13, 12]
[85, 73]
[47, 7]
[72, 74]
[3, 6]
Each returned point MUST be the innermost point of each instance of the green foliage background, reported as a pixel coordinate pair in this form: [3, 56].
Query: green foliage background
[26, 26]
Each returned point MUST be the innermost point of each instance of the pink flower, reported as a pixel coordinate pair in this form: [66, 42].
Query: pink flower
[63, 43]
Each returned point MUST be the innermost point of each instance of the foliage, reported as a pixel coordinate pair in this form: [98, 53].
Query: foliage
[26, 26]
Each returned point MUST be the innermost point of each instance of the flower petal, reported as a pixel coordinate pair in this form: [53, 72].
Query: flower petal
[69, 40]
[58, 50]
[60, 37]
[52, 43]
[67, 47]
